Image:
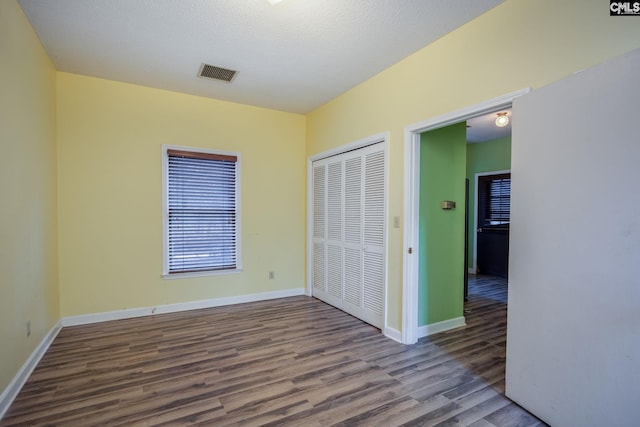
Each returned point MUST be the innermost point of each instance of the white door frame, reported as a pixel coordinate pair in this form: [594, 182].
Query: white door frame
[474, 266]
[412, 198]
[364, 142]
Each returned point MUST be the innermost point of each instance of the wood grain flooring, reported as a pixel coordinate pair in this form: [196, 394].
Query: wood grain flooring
[294, 362]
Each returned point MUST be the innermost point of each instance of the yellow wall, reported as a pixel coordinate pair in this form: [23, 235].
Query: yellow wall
[521, 43]
[110, 185]
[28, 237]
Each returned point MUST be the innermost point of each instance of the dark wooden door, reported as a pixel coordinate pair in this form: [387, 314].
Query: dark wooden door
[492, 234]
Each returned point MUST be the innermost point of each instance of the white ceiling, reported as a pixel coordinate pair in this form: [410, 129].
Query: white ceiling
[483, 128]
[292, 56]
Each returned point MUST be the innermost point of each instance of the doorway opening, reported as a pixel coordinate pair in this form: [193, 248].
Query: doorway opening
[492, 223]
[412, 250]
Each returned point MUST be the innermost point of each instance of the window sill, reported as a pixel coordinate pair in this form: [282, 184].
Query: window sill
[200, 274]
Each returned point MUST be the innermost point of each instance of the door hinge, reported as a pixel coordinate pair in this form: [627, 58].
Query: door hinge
[410, 251]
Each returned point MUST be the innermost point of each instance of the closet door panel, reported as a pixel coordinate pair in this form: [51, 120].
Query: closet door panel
[353, 277]
[334, 273]
[319, 267]
[373, 235]
[335, 182]
[319, 227]
[319, 202]
[353, 201]
[353, 232]
[374, 200]
[334, 201]
[373, 289]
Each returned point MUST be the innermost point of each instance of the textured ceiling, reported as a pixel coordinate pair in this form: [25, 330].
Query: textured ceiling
[292, 56]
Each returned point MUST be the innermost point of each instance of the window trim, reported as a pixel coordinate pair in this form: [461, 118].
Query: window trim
[208, 152]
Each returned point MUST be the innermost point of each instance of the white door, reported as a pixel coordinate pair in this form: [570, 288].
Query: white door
[349, 232]
[573, 340]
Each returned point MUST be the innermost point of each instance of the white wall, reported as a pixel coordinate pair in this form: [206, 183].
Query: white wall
[573, 352]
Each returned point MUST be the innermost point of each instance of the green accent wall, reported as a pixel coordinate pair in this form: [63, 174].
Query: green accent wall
[484, 157]
[441, 269]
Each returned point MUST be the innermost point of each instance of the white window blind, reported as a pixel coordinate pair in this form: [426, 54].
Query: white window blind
[201, 211]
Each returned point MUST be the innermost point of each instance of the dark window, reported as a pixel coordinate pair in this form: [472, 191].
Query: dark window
[498, 201]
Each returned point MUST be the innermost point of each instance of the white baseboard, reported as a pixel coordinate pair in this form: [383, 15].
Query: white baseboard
[393, 333]
[85, 319]
[437, 327]
[14, 387]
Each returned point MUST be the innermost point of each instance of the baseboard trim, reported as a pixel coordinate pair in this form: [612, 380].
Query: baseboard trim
[443, 326]
[393, 333]
[85, 319]
[9, 394]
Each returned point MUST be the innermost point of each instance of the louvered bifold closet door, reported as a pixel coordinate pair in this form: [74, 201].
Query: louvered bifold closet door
[319, 227]
[349, 230]
[334, 249]
[353, 234]
[373, 251]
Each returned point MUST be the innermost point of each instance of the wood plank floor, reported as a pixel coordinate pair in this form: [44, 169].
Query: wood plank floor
[294, 361]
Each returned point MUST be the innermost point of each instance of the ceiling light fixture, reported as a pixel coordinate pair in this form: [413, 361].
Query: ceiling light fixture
[502, 120]
[274, 1]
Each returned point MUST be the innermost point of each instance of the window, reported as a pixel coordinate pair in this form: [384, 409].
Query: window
[201, 220]
[498, 201]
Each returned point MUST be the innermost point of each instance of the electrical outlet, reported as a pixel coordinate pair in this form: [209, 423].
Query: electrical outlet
[272, 275]
[28, 328]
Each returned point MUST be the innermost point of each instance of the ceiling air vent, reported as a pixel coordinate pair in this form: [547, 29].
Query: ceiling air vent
[217, 73]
